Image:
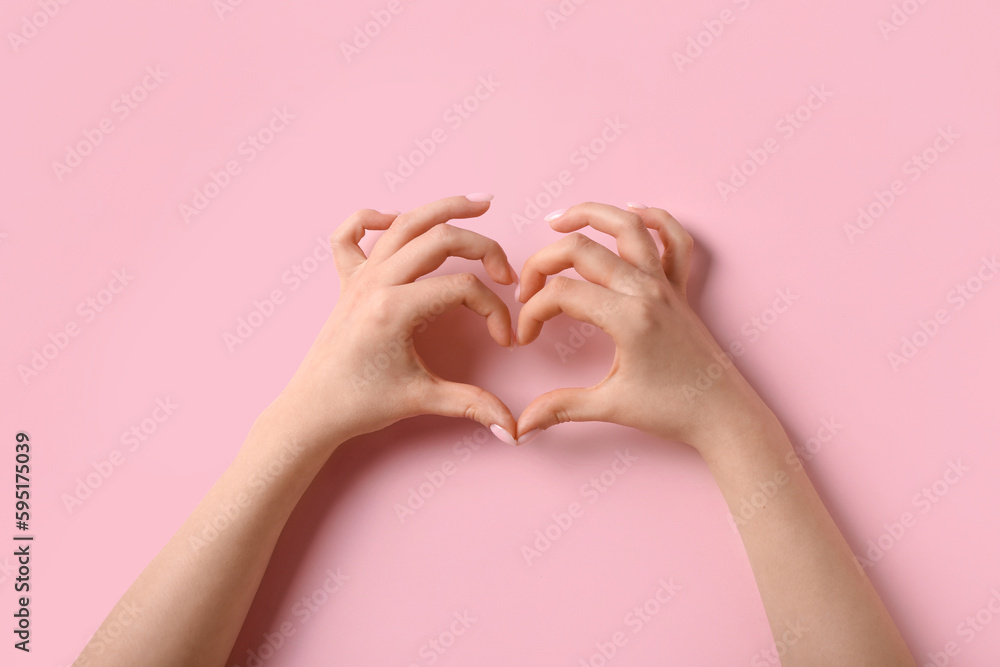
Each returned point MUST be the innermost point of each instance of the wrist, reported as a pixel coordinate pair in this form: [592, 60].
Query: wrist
[281, 427]
[751, 431]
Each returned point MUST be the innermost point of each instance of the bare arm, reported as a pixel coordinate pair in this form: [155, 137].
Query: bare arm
[360, 375]
[807, 575]
[820, 604]
[188, 605]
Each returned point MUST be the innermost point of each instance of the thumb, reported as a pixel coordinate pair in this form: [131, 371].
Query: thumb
[557, 407]
[454, 399]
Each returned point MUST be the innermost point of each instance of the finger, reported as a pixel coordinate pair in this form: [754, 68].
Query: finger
[587, 257]
[429, 251]
[412, 224]
[678, 245]
[559, 406]
[347, 254]
[454, 399]
[635, 244]
[580, 300]
[431, 297]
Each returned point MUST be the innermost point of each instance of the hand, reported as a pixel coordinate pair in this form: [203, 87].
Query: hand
[639, 298]
[362, 372]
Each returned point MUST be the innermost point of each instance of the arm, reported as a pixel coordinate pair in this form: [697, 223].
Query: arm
[188, 605]
[807, 575]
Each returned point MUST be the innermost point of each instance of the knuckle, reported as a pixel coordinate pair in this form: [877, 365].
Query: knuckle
[644, 314]
[381, 305]
[659, 289]
[562, 415]
[442, 233]
[465, 280]
[359, 217]
[686, 241]
[632, 220]
[559, 284]
[578, 241]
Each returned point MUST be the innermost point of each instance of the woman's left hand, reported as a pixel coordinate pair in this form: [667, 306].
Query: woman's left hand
[362, 373]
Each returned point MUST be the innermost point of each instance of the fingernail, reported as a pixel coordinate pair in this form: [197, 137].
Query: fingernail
[391, 211]
[517, 293]
[480, 197]
[636, 205]
[502, 435]
[529, 436]
[554, 215]
[513, 336]
[513, 275]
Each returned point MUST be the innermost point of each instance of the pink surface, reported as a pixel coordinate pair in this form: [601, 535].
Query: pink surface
[200, 82]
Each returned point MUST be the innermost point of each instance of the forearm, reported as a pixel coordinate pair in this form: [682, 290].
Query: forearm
[819, 602]
[188, 605]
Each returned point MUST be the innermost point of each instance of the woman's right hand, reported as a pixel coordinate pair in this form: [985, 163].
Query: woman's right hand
[639, 298]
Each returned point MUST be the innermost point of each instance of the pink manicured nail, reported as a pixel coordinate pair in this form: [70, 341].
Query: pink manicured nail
[391, 211]
[502, 435]
[513, 274]
[480, 197]
[636, 205]
[513, 336]
[529, 436]
[517, 293]
[554, 215]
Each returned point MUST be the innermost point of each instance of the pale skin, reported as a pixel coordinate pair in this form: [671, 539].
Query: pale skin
[188, 605]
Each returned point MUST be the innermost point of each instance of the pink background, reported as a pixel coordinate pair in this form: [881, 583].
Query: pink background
[686, 128]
